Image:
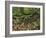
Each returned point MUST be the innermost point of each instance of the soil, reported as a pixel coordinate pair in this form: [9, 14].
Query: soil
[23, 26]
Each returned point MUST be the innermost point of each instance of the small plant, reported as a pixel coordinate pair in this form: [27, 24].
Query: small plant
[26, 18]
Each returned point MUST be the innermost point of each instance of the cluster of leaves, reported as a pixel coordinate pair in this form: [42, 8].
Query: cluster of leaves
[27, 15]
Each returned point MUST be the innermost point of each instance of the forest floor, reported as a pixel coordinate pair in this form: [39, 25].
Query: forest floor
[23, 26]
